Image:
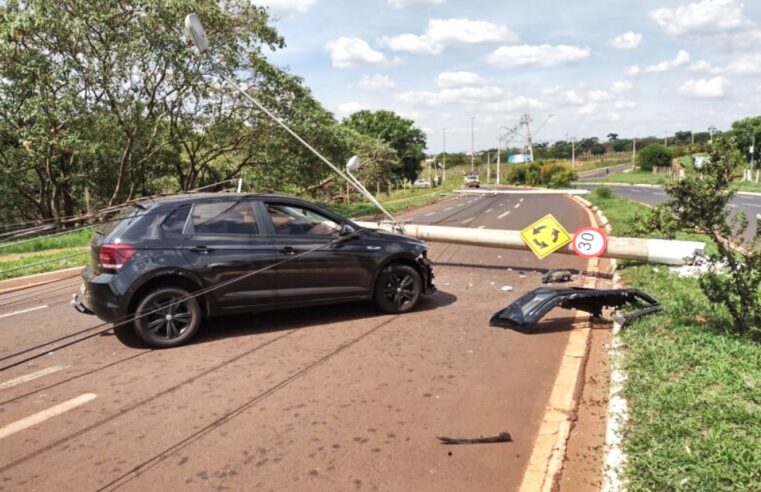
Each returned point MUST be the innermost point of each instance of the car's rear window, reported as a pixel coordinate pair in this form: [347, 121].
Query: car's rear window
[119, 221]
[175, 221]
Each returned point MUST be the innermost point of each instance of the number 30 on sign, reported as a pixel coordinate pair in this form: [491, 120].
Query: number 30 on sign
[589, 242]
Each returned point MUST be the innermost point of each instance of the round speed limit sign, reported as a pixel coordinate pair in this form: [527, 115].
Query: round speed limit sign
[589, 242]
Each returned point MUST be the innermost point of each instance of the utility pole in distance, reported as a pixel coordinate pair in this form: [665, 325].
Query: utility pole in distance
[634, 152]
[444, 148]
[472, 144]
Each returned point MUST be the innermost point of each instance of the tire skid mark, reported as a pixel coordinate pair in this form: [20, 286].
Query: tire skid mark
[129, 408]
[159, 458]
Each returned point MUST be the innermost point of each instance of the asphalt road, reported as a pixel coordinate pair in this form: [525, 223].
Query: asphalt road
[336, 398]
[603, 172]
[651, 195]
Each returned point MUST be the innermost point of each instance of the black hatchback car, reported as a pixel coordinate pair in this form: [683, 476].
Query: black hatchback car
[164, 265]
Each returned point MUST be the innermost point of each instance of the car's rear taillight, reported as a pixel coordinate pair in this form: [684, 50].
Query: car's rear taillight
[114, 256]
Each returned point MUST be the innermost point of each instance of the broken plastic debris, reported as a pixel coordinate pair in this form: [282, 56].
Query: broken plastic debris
[556, 276]
[506, 288]
[528, 309]
[501, 437]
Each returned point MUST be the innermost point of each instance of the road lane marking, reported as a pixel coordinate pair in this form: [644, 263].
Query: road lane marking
[757, 205]
[467, 220]
[29, 310]
[430, 213]
[481, 227]
[489, 210]
[44, 415]
[447, 209]
[30, 377]
[504, 215]
[521, 200]
[732, 205]
[461, 204]
[636, 191]
[517, 205]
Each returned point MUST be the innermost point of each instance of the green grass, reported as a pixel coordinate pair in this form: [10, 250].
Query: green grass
[637, 177]
[50, 260]
[754, 187]
[78, 238]
[693, 387]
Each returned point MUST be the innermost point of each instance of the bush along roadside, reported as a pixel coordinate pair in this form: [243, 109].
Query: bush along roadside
[693, 383]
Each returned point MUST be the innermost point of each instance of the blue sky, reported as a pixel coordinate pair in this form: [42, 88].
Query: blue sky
[647, 67]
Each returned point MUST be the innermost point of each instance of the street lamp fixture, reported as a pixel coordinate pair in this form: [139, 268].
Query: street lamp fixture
[196, 32]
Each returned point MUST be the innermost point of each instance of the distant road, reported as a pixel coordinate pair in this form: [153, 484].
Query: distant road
[604, 171]
[651, 195]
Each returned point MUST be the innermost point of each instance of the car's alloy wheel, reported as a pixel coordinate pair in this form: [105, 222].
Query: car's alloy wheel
[167, 317]
[398, 289]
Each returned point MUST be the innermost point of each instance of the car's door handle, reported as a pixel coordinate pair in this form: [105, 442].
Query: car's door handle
[200, 249]
[287, 251]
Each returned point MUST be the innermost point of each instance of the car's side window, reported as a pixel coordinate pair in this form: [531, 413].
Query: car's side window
[299, 221]
[228, 217]
[175, 221]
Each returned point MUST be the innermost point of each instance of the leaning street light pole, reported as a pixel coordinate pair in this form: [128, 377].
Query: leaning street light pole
[197, 33]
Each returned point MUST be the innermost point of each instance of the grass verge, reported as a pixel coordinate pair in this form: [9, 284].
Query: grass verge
[693, 387]
[636, 177]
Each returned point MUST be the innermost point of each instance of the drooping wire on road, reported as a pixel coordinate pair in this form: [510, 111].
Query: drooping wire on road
[107, 326]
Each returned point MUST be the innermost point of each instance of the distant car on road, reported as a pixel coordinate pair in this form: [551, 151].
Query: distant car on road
[422, 183]
[472, 181]
[173, 262]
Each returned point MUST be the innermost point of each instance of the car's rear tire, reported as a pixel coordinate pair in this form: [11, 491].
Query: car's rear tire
[398, 289]
[167, 317]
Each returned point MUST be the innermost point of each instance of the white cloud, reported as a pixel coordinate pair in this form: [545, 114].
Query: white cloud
[347, 108]
[518, 103]
[412, 43]
[705, 88]
[701, 66]
[458, 79]
[625, 105]
[592, 111]
[682, 58]
[376, 83]
[571, 97]
[466, 31]
[633, 71]
[627, 41]
[348, 52]
[703, 17]
[444, 32]
[621, 86]
[287, 8]
[543, 55]
[461, 95]
[401, 4]
[744, 65]
[588, 109]
[598, 96]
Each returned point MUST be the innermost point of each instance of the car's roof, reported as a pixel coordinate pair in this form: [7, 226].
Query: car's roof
[182, 198]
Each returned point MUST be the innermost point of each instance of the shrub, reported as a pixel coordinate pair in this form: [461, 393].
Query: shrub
[556, 175]
[655, 155]
[603, 192]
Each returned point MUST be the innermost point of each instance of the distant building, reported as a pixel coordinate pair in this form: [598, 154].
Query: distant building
[518, 158]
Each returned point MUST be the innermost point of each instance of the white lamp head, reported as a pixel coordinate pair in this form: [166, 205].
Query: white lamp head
[196, 32]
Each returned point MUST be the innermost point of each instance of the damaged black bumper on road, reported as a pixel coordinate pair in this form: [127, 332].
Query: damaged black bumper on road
[527, 310]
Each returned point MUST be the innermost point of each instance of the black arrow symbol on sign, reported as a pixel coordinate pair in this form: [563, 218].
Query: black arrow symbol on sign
[538, 229]
[541, 244]
[555, 235]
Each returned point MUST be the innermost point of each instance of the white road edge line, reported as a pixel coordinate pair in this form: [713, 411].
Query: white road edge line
[467, 220]
[28, 310]
[44, 415]
[447, 209]
[30, 377]
[430, 213]
[504, 215]
[517, 205]
[489, 210]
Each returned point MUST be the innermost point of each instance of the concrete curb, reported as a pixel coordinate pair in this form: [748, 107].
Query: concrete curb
[28, 281]
[643, 185]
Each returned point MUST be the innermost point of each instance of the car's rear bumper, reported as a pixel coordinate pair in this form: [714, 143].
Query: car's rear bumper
[97, 297]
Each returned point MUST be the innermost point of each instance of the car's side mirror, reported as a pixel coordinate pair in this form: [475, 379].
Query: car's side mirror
[345, 230]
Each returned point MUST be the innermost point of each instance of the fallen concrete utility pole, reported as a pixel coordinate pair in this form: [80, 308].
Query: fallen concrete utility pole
[485, 191]
[624, 248]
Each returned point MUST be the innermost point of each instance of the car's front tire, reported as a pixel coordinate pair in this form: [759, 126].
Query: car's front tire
[398, 289]
[167, 317]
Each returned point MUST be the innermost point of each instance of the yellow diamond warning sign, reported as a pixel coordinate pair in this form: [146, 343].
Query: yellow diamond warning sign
[545, 236]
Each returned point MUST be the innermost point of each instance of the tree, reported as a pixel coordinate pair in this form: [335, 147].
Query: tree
[399, 133]
[743, 132]
[612, 137]
[107, 97]
[655, 155]
[700, 202]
